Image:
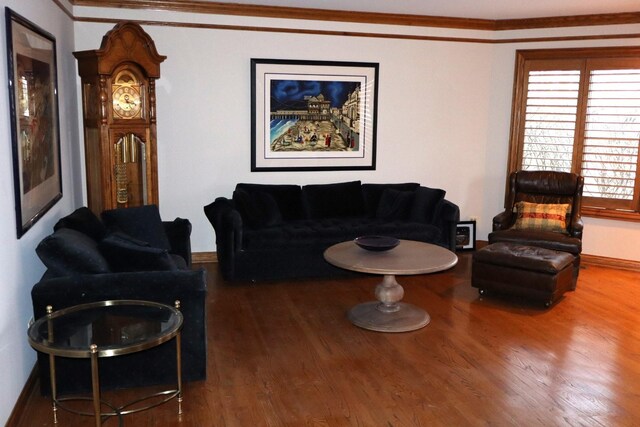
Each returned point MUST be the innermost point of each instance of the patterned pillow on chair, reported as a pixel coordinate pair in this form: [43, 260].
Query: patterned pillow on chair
[541, 217]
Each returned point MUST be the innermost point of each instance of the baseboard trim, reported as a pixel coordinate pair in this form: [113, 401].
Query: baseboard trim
[602, 261]
[21, 404]
[204, 257]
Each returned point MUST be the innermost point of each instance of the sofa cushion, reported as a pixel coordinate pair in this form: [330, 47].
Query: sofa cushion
[287, 196]
[127, 253]
[68, 252]
[323, 233]
[337, 200]
[257, 209]
[141, 222]
[84, 221]
[424, 205]
[371, 194]
[394, 204]
[543, 239]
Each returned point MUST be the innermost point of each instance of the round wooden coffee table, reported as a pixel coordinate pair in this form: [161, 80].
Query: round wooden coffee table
[388, 314]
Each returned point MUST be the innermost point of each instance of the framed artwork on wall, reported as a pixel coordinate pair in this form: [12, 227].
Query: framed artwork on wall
[35, 135]
[466, 236]
[313, 115]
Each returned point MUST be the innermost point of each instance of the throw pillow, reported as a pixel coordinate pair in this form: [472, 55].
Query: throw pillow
[140, 222]
[343, 199]
[424, 204]
[287, 196]
[84, 221]
[257, 209]
[541, 217]
[68, 252]
[126, 253]
[371, 194]
[394, 205]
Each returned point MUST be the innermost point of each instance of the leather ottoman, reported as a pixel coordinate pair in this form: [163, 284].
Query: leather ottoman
[527, 271]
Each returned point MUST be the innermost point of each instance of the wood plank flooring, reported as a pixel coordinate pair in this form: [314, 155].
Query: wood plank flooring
[284, 354]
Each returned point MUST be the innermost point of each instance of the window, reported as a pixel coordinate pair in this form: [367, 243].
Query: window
[578, 110]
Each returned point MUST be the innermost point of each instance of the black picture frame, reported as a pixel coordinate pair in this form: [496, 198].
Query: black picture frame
[466, 236]
[313, 115]
[35, 129]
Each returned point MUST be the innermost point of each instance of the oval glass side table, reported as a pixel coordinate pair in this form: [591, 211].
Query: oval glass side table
[107, 329]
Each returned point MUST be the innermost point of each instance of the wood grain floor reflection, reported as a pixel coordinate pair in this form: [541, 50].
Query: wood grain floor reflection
[284, 354]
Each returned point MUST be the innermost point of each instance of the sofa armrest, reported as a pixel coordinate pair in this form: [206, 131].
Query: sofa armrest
[227, 224]
[576, 226]
[179, 234]
[503, 220]
[446, 218]
[187, 286]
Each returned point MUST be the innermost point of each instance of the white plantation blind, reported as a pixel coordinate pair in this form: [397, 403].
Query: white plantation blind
[612, 134]
[550, 120]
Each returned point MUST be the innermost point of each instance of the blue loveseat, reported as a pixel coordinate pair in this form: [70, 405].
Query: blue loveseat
[128, 254]
[270, 232]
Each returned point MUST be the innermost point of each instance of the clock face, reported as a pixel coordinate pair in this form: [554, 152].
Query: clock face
[126, 102]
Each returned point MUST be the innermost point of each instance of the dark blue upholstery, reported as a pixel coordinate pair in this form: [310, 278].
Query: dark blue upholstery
[126, 254]
[141, 222]
[343, 199]
[293, 248]
[137, 270]
[259, 209]
[68, 252]
[371, 193]
[288, 198]
[395, 204]
[84, 221]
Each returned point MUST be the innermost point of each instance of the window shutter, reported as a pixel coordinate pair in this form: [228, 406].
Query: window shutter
[550, 119]
[612, 135]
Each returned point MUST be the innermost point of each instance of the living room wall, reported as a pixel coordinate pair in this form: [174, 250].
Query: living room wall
[19, 266]
[443, 116]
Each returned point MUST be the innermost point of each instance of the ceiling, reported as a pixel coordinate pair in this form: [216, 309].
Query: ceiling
[479, 9]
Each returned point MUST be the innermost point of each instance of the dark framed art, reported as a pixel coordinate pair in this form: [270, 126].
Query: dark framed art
[35, 135]
[466, 236]
[313, 115]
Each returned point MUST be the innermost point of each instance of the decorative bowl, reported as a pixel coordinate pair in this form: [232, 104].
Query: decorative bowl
[377, 243]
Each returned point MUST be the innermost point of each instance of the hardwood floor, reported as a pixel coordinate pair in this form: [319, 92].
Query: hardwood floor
[284, 354]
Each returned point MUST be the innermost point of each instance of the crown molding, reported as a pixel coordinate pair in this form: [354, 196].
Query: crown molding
[216, 8]
[568, 21]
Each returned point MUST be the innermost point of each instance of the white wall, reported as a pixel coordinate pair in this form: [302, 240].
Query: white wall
[443, 117]
[432, 116]
[20, 268]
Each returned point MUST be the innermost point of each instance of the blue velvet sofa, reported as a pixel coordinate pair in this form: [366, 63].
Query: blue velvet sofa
[271, 232]
[128, 254]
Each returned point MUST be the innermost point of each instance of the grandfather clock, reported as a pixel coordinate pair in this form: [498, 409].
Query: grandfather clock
[119, 111]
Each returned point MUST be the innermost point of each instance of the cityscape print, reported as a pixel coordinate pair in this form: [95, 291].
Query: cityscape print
[314, 116]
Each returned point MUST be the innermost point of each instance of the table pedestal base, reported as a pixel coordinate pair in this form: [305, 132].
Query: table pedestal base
[388, 314]
[407, 318]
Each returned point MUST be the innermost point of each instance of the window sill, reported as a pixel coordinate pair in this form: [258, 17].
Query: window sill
[611, 214]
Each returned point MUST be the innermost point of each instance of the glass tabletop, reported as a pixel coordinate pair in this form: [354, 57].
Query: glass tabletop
[114, 327]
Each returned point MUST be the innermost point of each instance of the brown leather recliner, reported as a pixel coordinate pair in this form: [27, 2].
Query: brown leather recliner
[543, 187]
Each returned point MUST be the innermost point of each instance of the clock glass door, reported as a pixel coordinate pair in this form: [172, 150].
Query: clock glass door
[130, 171]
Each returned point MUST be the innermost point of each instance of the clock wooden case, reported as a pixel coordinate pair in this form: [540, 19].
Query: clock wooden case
[120, 138]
